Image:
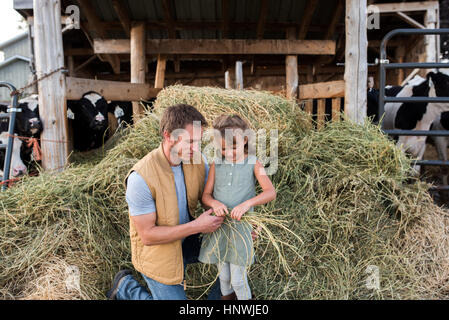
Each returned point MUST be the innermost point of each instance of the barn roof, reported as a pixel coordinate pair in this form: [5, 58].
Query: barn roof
[14, 39]
[13, 59]
[203, 19]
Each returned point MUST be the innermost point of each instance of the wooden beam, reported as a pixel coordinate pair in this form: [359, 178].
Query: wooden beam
[123, 15]
[331, 89]
[218, 25]
[223, 46]
[406, 6]
[138, 60]
[97, 29]
[110, 90]
[78, 51]
[262, 18]
[356, 66]
[160, 72]
[49, 54]
[307, 18]
[410, 20]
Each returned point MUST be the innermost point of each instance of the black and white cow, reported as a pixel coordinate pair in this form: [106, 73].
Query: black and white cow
[417, 115]
[89, 117]
[28, 122]
[373, 100]
[120, 115]
[17, 167]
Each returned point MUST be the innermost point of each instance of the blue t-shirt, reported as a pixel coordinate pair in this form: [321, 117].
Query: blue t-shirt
[140, 200]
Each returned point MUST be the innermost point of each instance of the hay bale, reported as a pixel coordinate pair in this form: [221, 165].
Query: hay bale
[345, 203]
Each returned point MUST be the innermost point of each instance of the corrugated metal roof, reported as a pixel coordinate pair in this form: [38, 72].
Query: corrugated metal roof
[240, 11]
[18, 37]
[12, 59]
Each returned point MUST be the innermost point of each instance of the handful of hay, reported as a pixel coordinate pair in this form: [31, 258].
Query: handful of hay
[346, 212]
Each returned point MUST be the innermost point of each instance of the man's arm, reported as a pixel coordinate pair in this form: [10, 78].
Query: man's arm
[143, 214]
[151, 234]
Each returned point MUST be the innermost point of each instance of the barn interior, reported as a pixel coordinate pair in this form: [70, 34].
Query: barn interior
[232, 19]
[129, 50]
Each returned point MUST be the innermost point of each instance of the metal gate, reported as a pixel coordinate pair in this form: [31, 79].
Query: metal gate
[385, 64]
[11, 114]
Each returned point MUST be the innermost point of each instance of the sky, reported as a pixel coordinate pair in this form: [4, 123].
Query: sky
[9, 21]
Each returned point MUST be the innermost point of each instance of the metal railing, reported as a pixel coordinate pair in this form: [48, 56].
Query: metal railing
[385, 64]
[11, 114]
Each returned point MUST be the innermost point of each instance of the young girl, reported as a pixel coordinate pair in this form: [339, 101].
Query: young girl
[231, 184]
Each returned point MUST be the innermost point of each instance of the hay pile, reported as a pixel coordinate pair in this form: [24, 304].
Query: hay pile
[343, 190]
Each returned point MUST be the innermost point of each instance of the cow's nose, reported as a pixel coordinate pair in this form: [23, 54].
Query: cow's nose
[99, 118]
[17, 172]
[34, 123]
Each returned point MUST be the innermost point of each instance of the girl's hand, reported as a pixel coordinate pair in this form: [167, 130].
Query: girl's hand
[239, 211]
[220, 209]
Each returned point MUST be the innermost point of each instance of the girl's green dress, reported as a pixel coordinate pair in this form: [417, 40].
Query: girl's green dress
[232, 242]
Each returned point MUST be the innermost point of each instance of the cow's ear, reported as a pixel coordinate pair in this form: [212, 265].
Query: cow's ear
[111, 107]
[431, 78]
[73, 104]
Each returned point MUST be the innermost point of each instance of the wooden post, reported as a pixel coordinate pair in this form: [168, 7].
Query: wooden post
[138, 60]
[320, 112]
[160, 72]
[228, 81]
[400, 54]
[52, 89]
[430, 21]
[239, 75]
[291, 70]
[356, 68]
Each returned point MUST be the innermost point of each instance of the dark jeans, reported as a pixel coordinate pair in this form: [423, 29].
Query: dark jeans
[131, 289]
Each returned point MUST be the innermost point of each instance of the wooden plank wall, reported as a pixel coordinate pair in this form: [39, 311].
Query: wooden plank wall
[319, 92]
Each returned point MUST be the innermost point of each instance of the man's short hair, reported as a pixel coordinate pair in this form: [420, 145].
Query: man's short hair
[178, 117]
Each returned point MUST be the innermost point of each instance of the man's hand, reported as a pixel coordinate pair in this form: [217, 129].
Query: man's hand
[220, 209]
[206, 223]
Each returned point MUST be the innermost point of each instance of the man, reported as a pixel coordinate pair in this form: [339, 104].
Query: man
[162, 191]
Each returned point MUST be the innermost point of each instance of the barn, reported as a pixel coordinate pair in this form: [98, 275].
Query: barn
[128, 50]
[16, 66]
[349, 220]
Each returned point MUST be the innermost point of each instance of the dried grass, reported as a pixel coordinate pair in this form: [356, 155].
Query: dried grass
[345, 202]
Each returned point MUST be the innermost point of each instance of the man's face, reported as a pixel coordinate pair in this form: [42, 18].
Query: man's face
[184, 143]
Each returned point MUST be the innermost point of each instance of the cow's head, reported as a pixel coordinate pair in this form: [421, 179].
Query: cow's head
[92, 109]
[17, 167]
[441, 82]
[28, 120]
[122, 111]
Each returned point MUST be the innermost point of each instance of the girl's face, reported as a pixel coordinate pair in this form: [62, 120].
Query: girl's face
[233, 150]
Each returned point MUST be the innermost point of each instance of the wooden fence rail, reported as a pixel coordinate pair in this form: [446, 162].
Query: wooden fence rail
[321, 93]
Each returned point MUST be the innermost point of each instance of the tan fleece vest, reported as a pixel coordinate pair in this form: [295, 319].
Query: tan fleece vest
[164, 262]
